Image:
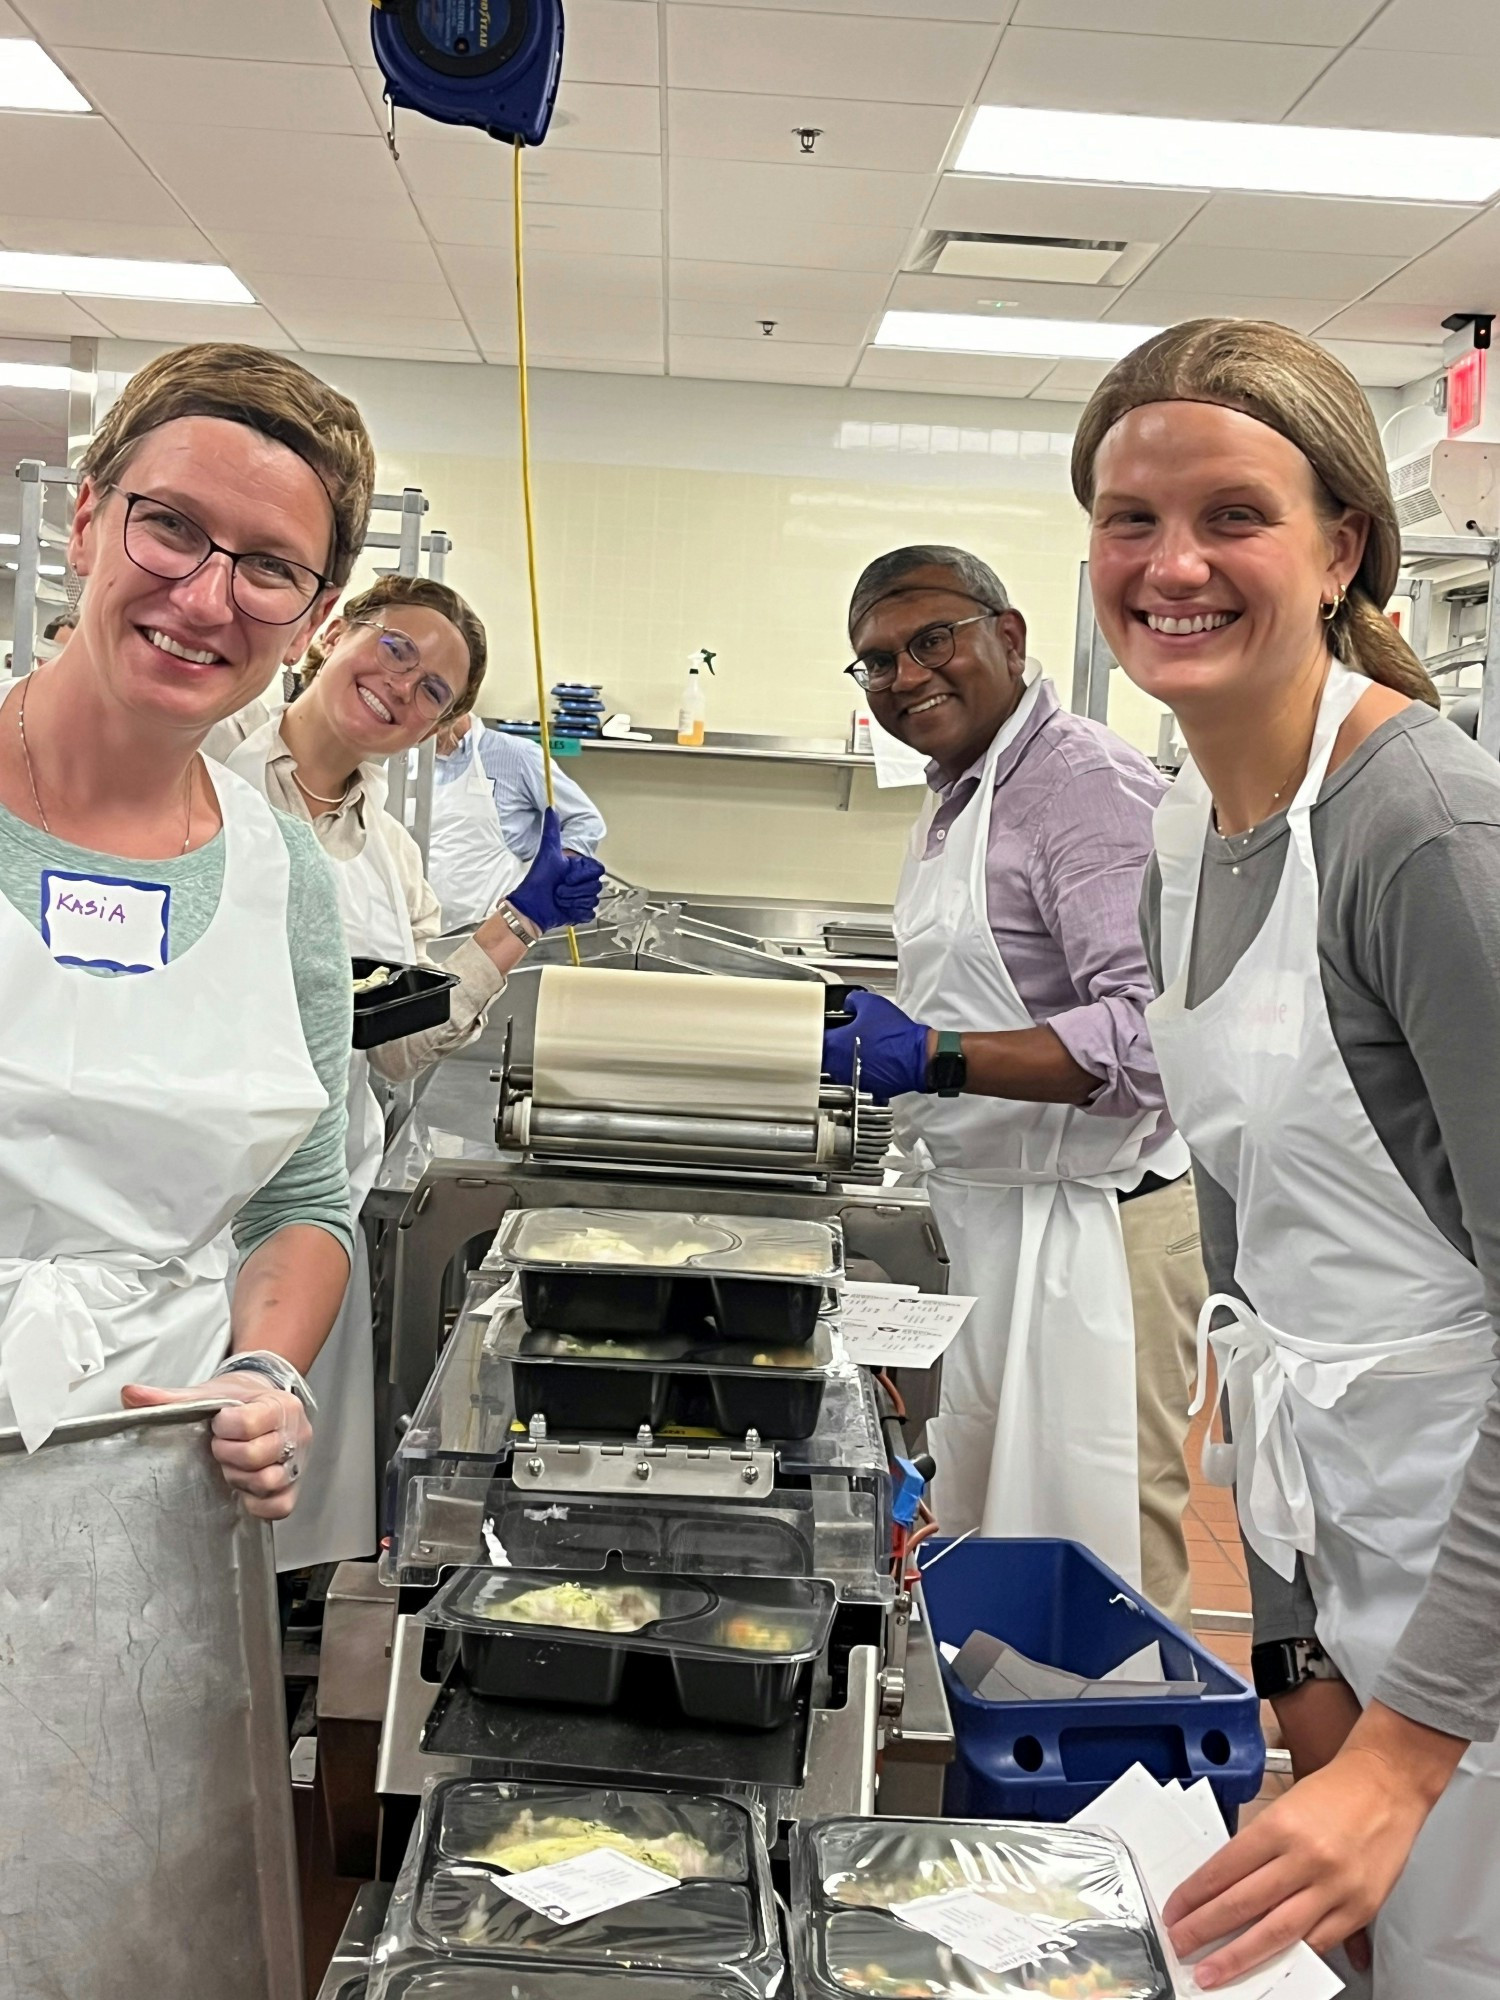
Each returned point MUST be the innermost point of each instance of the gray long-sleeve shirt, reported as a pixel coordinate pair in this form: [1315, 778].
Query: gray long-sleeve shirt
[1406, 835]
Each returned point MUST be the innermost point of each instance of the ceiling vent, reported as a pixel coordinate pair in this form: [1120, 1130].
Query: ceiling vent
[1045, 260]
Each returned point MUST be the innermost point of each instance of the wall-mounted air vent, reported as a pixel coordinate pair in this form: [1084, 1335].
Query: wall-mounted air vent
[1047, 260]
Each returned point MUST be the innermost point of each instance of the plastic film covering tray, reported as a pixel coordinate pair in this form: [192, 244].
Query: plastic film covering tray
[627, 1272]
[738, 1648]
[1096, 1936]
[714, 1934]
[581, 1383]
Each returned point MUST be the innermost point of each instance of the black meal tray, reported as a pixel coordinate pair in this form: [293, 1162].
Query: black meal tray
[642, 1735]
[764, 1312]
[418, 998]
[707, 1677]
[848, 1941]
[683, 1386]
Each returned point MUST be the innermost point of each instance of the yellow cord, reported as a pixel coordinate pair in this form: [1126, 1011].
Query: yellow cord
[526, 503]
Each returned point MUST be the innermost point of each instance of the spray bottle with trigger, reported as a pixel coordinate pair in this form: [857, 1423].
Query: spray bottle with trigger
[690, 716]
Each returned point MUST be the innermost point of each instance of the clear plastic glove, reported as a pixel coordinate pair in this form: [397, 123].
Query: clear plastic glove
[892, 1048]
[261, 1442]
[558, 888]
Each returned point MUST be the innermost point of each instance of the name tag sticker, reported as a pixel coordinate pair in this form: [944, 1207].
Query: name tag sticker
[105, 923]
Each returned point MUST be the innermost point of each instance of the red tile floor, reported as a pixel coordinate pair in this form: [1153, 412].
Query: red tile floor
[1220, 1586]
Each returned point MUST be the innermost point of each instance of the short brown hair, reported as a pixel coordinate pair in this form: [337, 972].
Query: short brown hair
[1299, 390]
[431, 596]
[267, 393]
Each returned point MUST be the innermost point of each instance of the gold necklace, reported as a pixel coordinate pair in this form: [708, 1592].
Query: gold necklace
[187, 833]
[1229, 839]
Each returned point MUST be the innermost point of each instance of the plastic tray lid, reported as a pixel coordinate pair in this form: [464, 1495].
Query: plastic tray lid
[661, 1241]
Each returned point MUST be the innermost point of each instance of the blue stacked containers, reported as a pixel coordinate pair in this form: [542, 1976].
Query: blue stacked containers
[577, 708]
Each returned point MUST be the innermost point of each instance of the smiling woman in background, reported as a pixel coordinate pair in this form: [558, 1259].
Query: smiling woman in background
[404, 657]
[172, 980]
[1324, 917]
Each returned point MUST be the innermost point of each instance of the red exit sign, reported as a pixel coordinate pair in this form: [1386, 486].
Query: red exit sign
[1466, 392]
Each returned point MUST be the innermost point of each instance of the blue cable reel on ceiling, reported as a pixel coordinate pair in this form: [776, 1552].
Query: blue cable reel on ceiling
[493, 64]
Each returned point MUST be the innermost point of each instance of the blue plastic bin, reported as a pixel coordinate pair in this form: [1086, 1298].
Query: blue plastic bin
[1056, 1602]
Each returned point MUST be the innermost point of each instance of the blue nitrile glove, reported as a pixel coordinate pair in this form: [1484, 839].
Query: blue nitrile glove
[892, 1048]
[558, 888]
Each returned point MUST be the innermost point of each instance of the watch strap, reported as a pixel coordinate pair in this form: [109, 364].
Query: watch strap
[949, 1070]
[1279, 1666]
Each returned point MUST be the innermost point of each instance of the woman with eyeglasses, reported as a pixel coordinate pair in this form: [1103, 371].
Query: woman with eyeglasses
[401, 660]
[173, 984]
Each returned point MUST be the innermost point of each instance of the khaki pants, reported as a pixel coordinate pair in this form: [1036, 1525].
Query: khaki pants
[1167, 1289]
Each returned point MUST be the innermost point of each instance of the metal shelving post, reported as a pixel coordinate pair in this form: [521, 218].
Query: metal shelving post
[37, 535]
[1420, 554]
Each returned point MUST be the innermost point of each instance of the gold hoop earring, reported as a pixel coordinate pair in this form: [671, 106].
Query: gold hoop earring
[1328, 612]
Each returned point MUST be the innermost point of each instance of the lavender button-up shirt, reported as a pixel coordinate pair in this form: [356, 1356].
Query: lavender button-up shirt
[1070, 836]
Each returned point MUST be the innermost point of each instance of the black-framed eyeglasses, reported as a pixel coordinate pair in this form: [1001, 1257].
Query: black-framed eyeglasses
[402, 658]
[933, 646]
[165, 542]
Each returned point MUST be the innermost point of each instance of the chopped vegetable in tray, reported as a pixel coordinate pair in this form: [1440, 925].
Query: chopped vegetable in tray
[582, 1607]
[605, 1246]
[753, 1634]
[530, 1842]
[381, 976]
[941, 1872]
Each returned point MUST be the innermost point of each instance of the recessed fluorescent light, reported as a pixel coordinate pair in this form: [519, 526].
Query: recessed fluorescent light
[32, 375]
[1036, 339]
[31, 81]
[121, 278]
[1203, 153]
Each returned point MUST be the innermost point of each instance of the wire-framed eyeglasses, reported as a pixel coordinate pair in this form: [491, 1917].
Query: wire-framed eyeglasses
[163, 541]
[933, 646]
[402, 658]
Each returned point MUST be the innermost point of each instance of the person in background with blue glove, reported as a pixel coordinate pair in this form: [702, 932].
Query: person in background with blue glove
[402, 658]
[1022, 1074]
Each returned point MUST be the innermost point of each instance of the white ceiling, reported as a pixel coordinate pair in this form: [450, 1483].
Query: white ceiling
[671, 211]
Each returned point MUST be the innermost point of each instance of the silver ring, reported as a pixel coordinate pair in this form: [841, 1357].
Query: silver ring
[288, 1453]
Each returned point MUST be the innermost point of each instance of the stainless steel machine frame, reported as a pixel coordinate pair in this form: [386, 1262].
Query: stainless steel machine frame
[148, 1844]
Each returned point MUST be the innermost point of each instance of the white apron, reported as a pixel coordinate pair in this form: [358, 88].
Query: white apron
[140, 1113]
[468, 862]
[1356, 1385]
[1036, 1430]
[335, 1518]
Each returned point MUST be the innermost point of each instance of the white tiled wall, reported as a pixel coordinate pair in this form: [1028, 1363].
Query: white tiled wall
[674, 514]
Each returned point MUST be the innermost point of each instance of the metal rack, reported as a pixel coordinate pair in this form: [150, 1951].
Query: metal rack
[412, 778]
[38, 535]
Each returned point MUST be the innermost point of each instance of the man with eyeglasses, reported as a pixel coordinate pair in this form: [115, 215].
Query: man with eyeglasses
[1019, 1062]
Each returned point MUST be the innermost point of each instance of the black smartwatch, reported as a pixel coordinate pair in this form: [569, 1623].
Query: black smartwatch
[1281, 1665]
[948, 1071]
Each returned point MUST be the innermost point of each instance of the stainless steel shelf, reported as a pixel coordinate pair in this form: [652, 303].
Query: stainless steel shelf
[823, 752]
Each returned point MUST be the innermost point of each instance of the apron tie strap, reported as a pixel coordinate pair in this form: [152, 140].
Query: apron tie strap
[49, 1335]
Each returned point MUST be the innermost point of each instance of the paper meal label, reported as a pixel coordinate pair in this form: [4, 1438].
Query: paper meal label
[885, 1329]
[104, 922]
[984, 1932]
[587, 1885]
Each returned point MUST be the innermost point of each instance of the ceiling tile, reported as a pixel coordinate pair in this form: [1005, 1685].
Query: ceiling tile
[612, 41]
[333, 321]
[1061, 208]
[73, 236]
[607, 118]
[271, 30]
[951, 374]
[562, 364]
[300, 295]
[732, 321]
[438, 172]
[387, 351]
[618, 232]
[1460, 275]
[788, 239]
[1379, 365]
[12, 26]
[776, 288]
[153, 319]
[1073, 379]
[483, 284]
[308, 183]
[137, 91]
[1286, 274]
[826, 55]
[582, 334]
[351, 18]
[1152, 75]
[1407, 90]
[1167, 308]
[45, 313]
[1305, 222]
[79, 167]
[1468, 28]
[745, 361]
[995, 12]
[726, 125]
[1318, 23]
[705, 192]
[1373, 319]
[920, 292]
[256, 253]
